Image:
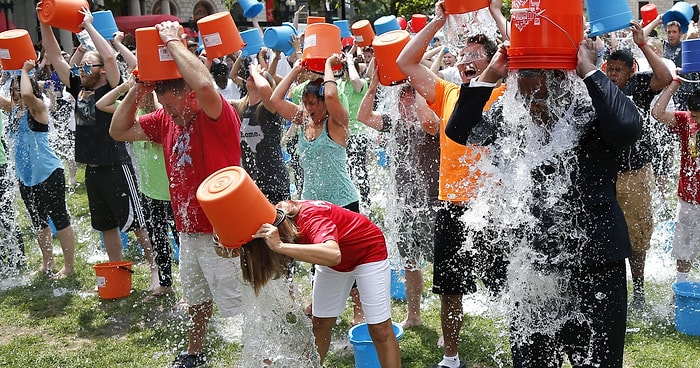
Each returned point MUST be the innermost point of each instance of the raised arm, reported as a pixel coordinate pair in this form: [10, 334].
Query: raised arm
[124, 126]
[366, 113]
[109, 59]
[108, 102]
[662, 76]
[336, 110]
[52, 51]
[195, 74]
[325, 254]
[353, 75]
[658, 111]
[126, 54]
[263, 87]
[409, 60]
[287, 109]
[35, 104]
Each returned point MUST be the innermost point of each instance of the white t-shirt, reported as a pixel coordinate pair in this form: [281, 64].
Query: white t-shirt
[231, 92]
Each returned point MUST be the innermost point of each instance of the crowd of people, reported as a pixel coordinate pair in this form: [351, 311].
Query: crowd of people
[541, 196]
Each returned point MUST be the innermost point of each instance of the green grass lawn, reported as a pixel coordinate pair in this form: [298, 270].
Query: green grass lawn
[64, 323]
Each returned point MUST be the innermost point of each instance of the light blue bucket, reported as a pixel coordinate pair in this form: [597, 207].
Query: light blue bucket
[398, 286]
[104, 23]
[687, 307]
[253, 42]
[280, 38]
[365, 353]
[608, 16]
[344, 28]
[251, 8]
[385, 24]
[681, 12]
[690, 56]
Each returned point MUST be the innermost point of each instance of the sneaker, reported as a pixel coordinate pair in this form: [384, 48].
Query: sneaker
[461, 365]
[185, 360]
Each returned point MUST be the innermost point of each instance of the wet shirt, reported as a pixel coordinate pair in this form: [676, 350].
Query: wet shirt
[35, 160]
[192, 153]
[689, 178]
[638, 88]
[672, 53]
[261, 134]
[360, 241]
[93, 144]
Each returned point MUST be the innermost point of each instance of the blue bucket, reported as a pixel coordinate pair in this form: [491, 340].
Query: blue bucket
[251, 8]
[690, 56]
[344, 28]
[608, 16]
[687, 307]
[280, 38]
[385, 24]
[253, 42]
[105, 24]
[365, 353]
[681, 12]
[398, 287]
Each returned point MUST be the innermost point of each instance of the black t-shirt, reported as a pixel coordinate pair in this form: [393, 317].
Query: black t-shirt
[638, 87]
[93, 144]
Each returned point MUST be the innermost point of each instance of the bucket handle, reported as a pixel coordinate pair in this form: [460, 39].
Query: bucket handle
[688, 80]
[125, 269]
[541, 14]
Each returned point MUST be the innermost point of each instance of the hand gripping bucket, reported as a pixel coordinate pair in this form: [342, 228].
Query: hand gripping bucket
[234, 205]
[154, 61]
[387, 48]
[690, 55]
[313, 20]
[680, 12]
[105, 24]
[113, 279]
[386, 24]
[464, 6]
[253, 42]
[344, 28]
[321, 40]
[219, 35]
[363, 347]
[608, 16]
[280, 38]
[16, 47]
[648, 12]
[63, 14]
[687, 307]
[418, 22]
[545, 34]
[251, 8]
[364, 34]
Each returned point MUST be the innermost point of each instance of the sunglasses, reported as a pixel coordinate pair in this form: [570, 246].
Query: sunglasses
[86, 69]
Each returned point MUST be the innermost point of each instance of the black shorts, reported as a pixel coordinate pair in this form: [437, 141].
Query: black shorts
[114, 198]
[453, 265]
[47, 199]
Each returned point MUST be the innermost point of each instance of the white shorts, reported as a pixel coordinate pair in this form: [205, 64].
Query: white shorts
[686, 240]
[205, 276]
[331, 289]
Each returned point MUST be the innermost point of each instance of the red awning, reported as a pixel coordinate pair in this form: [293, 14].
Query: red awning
[3, 24]
[129, 23]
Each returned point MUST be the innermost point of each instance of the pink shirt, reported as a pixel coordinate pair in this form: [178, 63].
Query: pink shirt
[689, 178]
[192, 153]
[360, 240]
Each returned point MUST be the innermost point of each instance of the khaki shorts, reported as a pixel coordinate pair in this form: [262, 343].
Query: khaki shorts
[634, 195]
[206, 276]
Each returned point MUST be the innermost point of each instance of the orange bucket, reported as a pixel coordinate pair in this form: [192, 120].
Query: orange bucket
[16, 47]
[649, 12]
[321, 40]
[387, 48]
[545, 36]
[154, 61]
[314, 20]
[234, 205]
[63, 14]
[220, 35]
[113, 279]
[363, 32]
[464, 6]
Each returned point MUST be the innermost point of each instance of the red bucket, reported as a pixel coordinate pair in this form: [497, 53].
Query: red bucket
[649, 12]
[545, 36]
[465, 6]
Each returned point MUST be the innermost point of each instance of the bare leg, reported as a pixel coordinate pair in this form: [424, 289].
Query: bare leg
[414, 290]
[200, 314]
[358, 316]
[145, 242]
[113, 244]
[67, 238]
[386, 344]
[451, 319]
[322, 328]
[637, 261]
[45, 240]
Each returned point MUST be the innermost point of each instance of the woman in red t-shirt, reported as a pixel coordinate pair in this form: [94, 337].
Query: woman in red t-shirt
[345, 246]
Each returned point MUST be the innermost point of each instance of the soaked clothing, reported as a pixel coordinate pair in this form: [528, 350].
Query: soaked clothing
[326, 176]
[689, 178]
[192, 153]
[35, 160]
[261, 134]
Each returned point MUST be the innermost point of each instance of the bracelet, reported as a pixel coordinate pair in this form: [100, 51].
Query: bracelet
[172, 39]
[329, 81]
[642, 44]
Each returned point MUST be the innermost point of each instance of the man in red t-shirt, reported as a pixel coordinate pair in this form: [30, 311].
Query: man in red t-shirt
[200, 133]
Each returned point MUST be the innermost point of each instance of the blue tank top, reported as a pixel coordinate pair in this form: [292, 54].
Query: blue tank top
[326, 175]
[35, 160]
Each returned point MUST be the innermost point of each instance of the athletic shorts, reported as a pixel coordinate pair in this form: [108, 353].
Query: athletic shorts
[453, 264]
[114, 198]
[205, 276]
[331, 289]
[686, 240]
